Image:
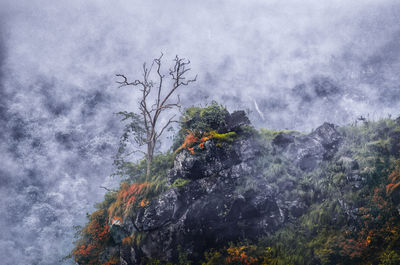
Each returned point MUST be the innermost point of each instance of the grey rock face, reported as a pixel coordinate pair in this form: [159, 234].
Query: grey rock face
[215, 206]
[209, 210]
[307, 151]
[117, 232]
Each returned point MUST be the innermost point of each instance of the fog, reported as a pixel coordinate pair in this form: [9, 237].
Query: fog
[290, 64]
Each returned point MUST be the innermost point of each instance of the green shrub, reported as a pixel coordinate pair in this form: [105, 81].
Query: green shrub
[212, 117]
[136, 172]
[390, 257]
[197, 119]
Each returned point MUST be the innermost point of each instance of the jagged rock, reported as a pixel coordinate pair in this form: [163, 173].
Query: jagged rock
[327, 135]
[117, 232]
[297, 208]
[395, 142]
[398, 120]
[209, 207]
[307, 151]
[215, 206]
[159, 213]
[237, 120]
[282, 140]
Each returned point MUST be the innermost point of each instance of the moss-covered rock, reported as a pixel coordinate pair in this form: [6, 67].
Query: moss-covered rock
[243, 196]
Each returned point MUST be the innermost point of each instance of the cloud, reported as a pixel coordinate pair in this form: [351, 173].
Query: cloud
[293, 64]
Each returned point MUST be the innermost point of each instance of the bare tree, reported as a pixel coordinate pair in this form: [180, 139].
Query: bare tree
[156, 98]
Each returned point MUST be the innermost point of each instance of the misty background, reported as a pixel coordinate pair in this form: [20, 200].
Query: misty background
[291, 64]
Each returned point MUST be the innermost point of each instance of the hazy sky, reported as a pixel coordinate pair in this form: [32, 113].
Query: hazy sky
[292, 64]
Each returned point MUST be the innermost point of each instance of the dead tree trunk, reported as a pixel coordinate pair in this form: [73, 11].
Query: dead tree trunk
[162, 101]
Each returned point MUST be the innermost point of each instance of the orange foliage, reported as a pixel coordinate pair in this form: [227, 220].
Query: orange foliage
[191, 149]
[378, 200]
[352, 248]
[394, 179]
[238, 255]
[205, 138]
[144, 202]
[116, 219]
[127, 240]
[113, 261]
[191, 141]
[83, 250]
[378, 225]
[128, 197]
[97, 231]
[98, 236]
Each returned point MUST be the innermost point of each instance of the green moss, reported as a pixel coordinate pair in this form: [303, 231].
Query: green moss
[180, 182]
[139, 237]
[248, 130]
[227, 137]
[271, 134]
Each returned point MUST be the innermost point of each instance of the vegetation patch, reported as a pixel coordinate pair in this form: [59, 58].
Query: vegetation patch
[180, 182]
[195, 141]
[349, 211]
[94, 238]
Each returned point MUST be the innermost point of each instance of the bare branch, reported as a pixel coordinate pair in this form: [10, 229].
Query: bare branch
[171, 120]
[160, 77]
[171, 105]
[151, 112]
[107, 189]
[136, 151]
[126, 83]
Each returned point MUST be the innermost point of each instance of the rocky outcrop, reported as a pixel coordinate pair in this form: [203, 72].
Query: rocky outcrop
[307, 151]
[217, 204]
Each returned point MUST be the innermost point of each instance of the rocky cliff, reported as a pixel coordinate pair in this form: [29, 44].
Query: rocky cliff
[231, 183]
